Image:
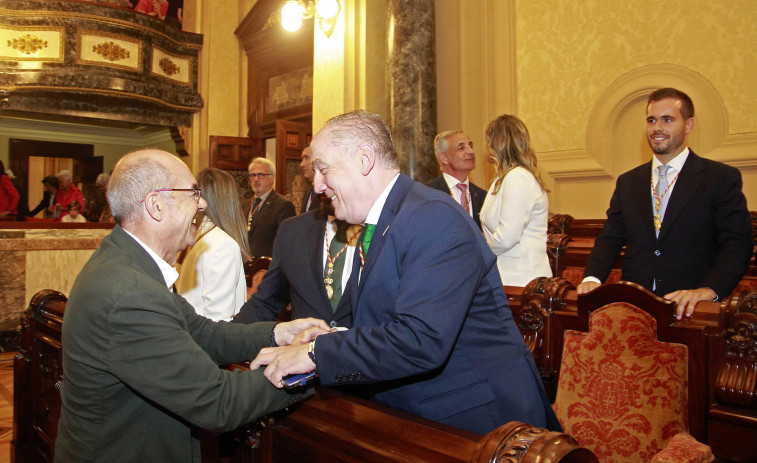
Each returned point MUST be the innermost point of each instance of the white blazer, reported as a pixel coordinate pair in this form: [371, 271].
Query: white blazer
[514, 221]
[211, 278]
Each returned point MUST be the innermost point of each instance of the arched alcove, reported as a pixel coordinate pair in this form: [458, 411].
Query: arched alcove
[615, 132]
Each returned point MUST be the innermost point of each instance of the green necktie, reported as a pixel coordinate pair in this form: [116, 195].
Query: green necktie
[338, 254]
[365, 240]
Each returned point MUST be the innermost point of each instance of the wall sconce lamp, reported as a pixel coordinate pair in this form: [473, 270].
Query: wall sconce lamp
[325, 11]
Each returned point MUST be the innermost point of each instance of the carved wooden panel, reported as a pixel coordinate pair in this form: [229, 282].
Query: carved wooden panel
[291, 139]
[233, 153]
[280, 70]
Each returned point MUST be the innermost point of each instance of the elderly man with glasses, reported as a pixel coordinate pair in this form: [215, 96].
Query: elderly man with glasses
[140, 366]
[267, 208]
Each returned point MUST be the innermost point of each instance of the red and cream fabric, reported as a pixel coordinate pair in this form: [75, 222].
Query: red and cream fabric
[624, 394]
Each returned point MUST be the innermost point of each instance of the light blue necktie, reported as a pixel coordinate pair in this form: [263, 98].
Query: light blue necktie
[661, 194]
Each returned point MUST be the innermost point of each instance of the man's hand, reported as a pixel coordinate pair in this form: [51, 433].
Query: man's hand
[286, 332]
[686, 299]
[283, 361]
[587, 286]
[309, 334]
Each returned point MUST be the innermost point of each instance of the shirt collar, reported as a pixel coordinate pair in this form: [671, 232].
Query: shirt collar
[375, 213]
[263, 197]
[452, 181]
[676, 163]
[170, 275]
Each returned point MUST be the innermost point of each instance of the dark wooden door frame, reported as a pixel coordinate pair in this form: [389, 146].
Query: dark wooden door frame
[19, 151]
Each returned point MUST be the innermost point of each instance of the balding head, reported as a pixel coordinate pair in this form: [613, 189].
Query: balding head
[137, 174]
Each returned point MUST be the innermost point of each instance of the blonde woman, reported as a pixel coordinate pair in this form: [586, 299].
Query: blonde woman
[515, 212]
[211, 272]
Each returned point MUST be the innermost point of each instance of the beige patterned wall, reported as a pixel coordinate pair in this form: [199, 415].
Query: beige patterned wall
[568, 53]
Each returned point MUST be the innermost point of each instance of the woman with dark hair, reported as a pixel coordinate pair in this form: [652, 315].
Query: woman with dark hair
[8, 194]
[211, 272]
[515, 213]
[51, 185]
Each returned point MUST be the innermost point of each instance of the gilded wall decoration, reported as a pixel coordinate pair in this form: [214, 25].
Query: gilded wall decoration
[27, 44]
[177, 68]
[108, 49]
[111, 51]
[32, 43]
[169, 67]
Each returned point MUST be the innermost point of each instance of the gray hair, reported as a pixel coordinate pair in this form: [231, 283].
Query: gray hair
[350, 130]
[441, 142]
[135, 176]
[102, 179]
[65, 173]
[271, 166]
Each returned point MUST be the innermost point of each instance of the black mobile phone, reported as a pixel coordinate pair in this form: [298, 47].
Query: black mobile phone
[299, 380]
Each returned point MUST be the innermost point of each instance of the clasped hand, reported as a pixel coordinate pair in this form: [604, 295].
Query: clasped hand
[293, 357]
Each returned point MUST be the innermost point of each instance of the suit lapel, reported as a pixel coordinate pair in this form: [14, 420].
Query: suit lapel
[316, 263]
[391, 208]
[688, 181]
[642, 191]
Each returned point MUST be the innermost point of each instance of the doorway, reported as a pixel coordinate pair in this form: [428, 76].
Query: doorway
[32, 160]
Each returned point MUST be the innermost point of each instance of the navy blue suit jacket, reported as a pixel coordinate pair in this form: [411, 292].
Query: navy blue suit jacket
[706, 234]
[433, 333]
[296, 275]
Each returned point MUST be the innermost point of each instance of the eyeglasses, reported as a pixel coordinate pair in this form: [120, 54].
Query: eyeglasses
[260, 176]
[195, 192]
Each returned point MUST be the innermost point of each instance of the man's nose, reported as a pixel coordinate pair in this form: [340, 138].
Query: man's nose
[318, 186]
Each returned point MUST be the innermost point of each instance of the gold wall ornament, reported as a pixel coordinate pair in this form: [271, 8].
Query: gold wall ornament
[27, 44]
[111, 51]
[169, 67]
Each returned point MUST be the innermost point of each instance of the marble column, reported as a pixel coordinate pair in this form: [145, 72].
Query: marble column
[411, 85]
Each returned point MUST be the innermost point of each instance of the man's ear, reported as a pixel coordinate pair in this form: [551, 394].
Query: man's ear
[154, 206]
[367, 159]
[689, 125]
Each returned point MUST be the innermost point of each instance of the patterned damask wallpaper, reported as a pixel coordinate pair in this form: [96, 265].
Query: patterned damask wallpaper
[568, 53]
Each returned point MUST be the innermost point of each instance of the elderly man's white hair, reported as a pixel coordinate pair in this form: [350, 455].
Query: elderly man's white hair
[64, 173]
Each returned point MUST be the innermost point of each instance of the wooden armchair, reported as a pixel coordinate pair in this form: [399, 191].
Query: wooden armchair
[254, 270]
[624, 394]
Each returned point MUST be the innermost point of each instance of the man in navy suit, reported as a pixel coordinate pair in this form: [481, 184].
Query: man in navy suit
[454, 151]
[687, 231]
[432, 334]
[296, 273]
[267, 208]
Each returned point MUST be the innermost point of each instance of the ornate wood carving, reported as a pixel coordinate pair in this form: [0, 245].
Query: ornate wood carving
[736, 383]
[518, 442]
[559, 223]
[37, 376]
[747, 302]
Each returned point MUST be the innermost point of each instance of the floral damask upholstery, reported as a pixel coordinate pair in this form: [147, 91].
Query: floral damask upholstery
[624, 394]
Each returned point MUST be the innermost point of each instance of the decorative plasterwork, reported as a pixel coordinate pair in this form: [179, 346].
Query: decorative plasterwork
[105, 49]
[20, 43]
[170, 66]
[631, 88]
